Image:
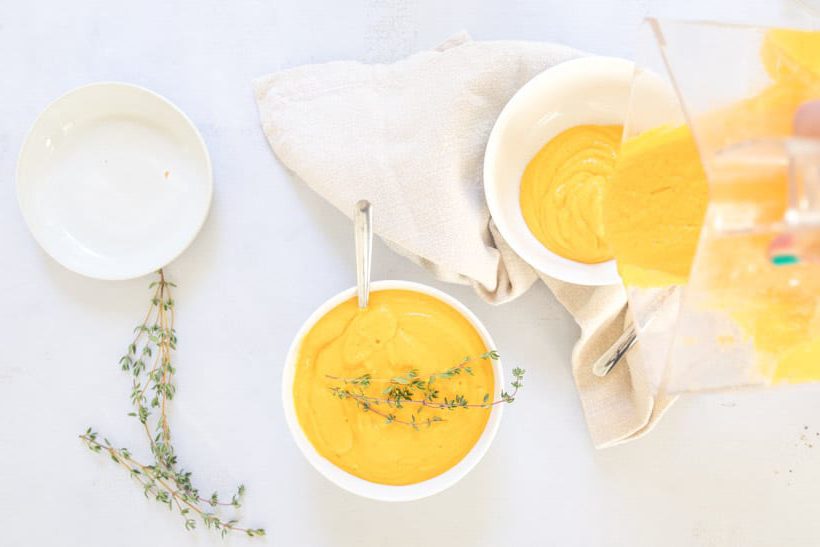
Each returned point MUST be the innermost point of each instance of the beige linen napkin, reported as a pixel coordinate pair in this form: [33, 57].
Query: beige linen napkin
[410, 137]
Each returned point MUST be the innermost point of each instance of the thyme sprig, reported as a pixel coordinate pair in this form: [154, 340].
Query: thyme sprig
[412, 389]
[152, 389]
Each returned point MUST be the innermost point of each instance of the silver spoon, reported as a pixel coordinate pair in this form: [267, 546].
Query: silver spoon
[616, 352]
[607, 361]
[363, 229]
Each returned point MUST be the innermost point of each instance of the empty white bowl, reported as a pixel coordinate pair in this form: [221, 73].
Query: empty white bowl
[114, 181]
[589, 90]
[356, 485]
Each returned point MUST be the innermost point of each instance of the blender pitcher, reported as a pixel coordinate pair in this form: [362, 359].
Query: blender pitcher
[748, 313]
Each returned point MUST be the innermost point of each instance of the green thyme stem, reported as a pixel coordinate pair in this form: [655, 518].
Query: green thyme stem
[151, 393]
[143, 474]
[421, 402]
[411, 389]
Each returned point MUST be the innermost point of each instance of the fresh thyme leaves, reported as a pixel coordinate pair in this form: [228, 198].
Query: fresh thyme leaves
[412, 389]
[151, 391]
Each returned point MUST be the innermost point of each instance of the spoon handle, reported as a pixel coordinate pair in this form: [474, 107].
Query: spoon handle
[607, 361]
[363, 227]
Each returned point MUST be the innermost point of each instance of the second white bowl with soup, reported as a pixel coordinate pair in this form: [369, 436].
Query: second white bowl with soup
[408, 332]
[546, 161]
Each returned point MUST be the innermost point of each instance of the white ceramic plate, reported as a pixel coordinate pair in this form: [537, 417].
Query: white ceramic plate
[114, 181]
[589, 90]
[372, 490]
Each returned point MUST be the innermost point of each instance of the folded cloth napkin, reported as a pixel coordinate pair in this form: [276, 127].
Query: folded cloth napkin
[410, 137]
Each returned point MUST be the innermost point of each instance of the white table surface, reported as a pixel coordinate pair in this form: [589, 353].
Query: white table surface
[721, 470]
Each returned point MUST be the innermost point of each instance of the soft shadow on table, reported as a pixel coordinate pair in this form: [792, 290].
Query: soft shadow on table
[110, 297]
[730, 462]
[341, 235]
[199, 260]
[461, 515]
[100, 295]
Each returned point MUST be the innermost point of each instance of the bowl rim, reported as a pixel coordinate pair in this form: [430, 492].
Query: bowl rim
[357, 485]
[591, 68]
[114, 86]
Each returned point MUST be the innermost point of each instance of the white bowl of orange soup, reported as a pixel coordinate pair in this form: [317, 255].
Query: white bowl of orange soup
[562, 130]
[406, 326]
